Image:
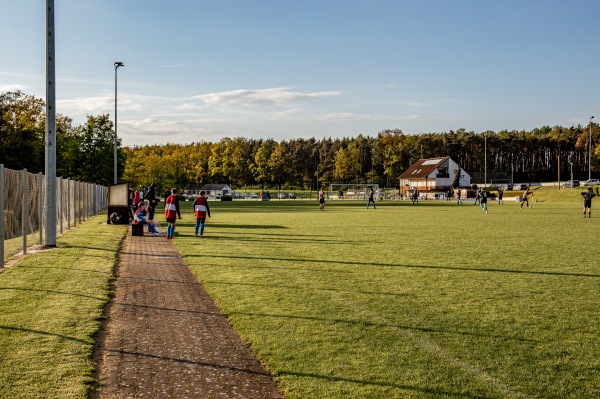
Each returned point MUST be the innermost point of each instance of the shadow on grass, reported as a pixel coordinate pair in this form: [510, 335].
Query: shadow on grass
[313, 270]
[30, 331]
[235, 226]
[364, 323]
[51, 292]
[67, 246]
[292, 238]
[424, 390]
[67, 268]
[291, 287]
[363, 264]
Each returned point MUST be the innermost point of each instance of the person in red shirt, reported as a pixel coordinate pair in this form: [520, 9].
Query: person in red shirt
[172, 213]
[201, 209]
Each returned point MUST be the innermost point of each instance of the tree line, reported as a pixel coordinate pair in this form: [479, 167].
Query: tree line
[85, 153]
[525, 156]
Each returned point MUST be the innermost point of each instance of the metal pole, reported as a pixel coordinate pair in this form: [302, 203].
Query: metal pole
[50, 129]
[2, 216]
[485, 161]
[117, 65]
[24, 212]
[590, 152]
[115, 143]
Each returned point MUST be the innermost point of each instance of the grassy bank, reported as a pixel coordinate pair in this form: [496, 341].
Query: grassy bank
[428, 301]
[51, 306]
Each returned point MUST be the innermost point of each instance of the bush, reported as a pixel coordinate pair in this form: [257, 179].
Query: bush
[226, 198]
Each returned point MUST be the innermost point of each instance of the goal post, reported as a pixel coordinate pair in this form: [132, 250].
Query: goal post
[351, 191]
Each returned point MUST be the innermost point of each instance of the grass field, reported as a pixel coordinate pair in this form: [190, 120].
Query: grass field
[428, 301]
[50, 308]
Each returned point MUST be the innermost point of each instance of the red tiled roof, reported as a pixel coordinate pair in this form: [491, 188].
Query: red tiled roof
[422, 168]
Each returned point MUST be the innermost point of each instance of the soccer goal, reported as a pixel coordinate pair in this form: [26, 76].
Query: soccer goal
[351, 191]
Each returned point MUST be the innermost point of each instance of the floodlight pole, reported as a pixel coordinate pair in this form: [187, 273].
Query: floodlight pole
[590, 152]
[50, 150]
[485, 160]
[559, 166]
[117, 65]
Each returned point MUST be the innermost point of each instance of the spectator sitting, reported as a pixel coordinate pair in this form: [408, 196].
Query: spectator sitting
[141, 217]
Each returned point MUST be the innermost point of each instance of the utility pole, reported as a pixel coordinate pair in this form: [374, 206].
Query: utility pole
[590, 155]
[50, 198]
[485, 160]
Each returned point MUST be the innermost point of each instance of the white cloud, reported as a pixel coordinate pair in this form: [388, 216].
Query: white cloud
[347, 116]
[262, 97]
[13, 87]
[189, 106]
[88, 105]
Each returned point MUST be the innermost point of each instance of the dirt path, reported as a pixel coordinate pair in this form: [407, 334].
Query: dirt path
[166, 338]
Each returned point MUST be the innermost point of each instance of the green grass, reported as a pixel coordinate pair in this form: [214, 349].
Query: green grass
[428, 301]
[50, 307]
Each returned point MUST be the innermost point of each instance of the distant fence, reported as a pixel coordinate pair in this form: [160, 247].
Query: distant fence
[22, 201]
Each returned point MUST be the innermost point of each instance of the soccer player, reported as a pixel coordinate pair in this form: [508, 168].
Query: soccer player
[201, 209]
[587, 201]
[500, 195]
[458, 200]
[321, 200]
[171, 213]
[525, 199]
[371, 199]
[483, 201]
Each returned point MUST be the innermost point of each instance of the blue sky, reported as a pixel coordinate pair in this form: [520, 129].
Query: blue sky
[202, 70]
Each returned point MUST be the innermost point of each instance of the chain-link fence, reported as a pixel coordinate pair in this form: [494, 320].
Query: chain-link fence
[22, 200]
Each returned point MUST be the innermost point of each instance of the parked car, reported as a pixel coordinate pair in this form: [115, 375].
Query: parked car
[571, 184]
[591, 182]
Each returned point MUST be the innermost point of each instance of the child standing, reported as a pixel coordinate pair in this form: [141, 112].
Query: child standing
[201, 209]
[587, 201]
[321, 200]
[171, 213]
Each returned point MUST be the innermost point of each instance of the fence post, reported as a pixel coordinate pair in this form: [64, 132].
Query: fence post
[68, 204]
[60, 202]
[2, 216]
[74, 203]
[41, 205]
[24, 213]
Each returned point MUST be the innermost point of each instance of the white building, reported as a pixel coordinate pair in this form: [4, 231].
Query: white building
[213, 191]
[433, 174]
